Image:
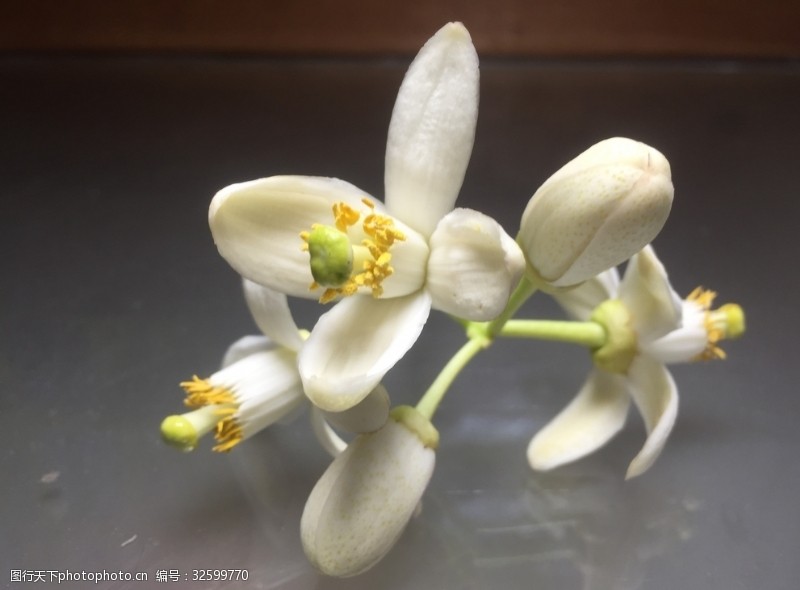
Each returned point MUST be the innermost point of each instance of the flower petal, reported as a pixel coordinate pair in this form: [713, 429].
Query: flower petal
[368, 415]
[354, 344]
[326, 436]
[579, 302]
[655, 394]
[245, 346]
[473, 267]
[256, 226]
[270, 310]
[364, 500]
[432, 129]
[596, 211]
[646, 292]
[593, 417]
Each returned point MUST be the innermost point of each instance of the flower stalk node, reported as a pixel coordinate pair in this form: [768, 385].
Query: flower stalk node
[414, 421]
[619, 350]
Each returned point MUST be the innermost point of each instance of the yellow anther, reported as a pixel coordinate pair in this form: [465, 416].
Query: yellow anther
[228, 434]
[200, 392]
[344, 216]
[373, 259]
[722, 323]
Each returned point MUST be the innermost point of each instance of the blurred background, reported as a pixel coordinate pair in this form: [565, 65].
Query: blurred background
[510, 28]
[119, 120]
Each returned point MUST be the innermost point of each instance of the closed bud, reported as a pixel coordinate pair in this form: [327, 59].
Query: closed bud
[597, 211]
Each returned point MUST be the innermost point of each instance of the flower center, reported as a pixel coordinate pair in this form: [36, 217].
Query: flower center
[725, 322]
[340, 266]
[201, 393]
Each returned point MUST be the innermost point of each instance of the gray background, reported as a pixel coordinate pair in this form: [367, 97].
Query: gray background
[112, 293]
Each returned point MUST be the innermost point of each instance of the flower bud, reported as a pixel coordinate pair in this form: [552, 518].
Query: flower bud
[597, 211]
[365, 498]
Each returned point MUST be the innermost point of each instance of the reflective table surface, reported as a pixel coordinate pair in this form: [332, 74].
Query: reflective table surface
[113, 292]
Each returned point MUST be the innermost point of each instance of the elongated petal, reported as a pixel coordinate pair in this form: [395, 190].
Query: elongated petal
[270, 310]
[326, 436]
[245, 346]
[271, 391]
[645, 290]
[596, 211]
[593, 417]
[474, 266]
[579, 302]
[353, 346]
[363, 501]
[433, 129]
[655, 394]
[368, 415]
[256, 226]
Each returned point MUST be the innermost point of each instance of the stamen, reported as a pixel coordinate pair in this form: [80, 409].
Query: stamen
[722, 323]
[228, 434]
[200, 392]
[344, 216]
[374, 258]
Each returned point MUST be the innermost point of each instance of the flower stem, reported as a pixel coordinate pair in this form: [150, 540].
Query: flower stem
[590, 334]
[520, 295]
[430, 401]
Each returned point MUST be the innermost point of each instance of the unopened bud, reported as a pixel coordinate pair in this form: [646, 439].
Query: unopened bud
[597, 211]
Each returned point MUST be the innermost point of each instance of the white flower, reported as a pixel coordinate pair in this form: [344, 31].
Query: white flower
[389, 264]
[665, 330]
[596, 211]
[259, 384]
[362, 503]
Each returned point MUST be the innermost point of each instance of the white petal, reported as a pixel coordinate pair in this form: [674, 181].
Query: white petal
[596, 211]
[256, 226]
[326, 436]
[364, 500]
[656, 396]
[354, 344]
[368, 415]
[645, 290]
[266, 386]
[270, 310]
[409, 259]
[679, 346]
[593, 417]
[245, 346]
[432, 129]
[579, 302]
[474, 266]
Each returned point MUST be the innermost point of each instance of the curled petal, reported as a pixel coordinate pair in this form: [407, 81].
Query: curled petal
[655, 394]
[364, 500]
[579, 302]
[326, 436]
[245, 346]
[256, 226]
[270, 310]
[433, 129]
[354, 344]
[474, 266]
[368, 415]
[654, 306]
[593, 417]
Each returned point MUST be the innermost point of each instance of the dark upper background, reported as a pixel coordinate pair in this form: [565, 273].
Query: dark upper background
[510, 28]
[119, 121]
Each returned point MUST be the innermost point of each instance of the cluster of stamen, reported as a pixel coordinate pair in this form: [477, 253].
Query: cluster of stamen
[201, 393]
[381, 236]
[714, 324]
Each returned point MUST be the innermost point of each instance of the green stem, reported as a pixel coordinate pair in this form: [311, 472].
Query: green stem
[433, 397]
[590, 334]
[520, 295]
